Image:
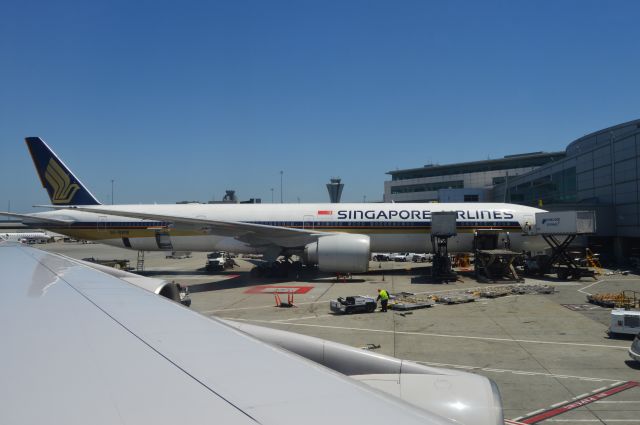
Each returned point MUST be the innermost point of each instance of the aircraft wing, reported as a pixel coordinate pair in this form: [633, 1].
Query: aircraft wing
[254, 234]
[80, 346]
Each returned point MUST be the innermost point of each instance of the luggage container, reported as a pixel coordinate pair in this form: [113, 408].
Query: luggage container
[565, 223]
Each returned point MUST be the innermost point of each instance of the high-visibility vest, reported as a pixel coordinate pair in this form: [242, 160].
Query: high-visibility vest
[384, 295]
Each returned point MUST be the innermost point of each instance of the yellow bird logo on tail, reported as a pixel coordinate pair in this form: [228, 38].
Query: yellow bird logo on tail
[63, 189]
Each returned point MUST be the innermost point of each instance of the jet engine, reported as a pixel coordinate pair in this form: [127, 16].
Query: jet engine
[462, 397]
[343, 253]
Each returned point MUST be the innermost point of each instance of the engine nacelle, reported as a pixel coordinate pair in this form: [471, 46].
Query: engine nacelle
[463, 397]
[344, 253]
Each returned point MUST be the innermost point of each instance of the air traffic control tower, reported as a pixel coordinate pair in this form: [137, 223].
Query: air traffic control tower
[335, 190]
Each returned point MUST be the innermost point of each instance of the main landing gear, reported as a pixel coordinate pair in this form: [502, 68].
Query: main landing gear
[280, 269]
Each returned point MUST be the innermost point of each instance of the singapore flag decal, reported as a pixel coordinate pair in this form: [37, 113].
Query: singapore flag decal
[325, 212]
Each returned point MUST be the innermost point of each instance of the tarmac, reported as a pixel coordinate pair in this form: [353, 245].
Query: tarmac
[549, 354]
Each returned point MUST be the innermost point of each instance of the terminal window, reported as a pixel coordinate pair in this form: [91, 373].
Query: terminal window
[427, 187]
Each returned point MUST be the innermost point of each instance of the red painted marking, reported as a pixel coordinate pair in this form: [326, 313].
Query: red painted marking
[278, 290]
[579, 403]
[512, 422]
[325, 212]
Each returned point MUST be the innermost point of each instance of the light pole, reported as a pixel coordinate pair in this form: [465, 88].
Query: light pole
[111, 191]
[272, 195]
[281, 172]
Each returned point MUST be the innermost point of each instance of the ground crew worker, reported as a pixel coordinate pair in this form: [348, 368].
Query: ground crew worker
[383, 296]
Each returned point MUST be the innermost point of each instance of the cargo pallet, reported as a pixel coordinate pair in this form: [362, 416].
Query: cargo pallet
[626, 299]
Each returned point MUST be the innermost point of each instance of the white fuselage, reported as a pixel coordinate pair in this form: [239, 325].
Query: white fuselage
[391, 227]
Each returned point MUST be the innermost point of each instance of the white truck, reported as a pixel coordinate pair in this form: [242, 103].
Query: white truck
[402, 257]
[421, 258]
[217, 261]
[624, 322]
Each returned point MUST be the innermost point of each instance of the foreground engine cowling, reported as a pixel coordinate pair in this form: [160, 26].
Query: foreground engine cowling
[463, 397]
[344, 253]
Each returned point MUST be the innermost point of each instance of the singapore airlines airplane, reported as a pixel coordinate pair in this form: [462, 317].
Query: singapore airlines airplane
[24, 236]
[336, 237]
[87, 347]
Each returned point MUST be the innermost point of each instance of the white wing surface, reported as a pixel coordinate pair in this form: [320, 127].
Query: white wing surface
[80, 346]
[253, 234]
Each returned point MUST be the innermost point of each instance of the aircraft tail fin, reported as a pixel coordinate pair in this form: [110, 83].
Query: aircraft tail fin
[63, 187]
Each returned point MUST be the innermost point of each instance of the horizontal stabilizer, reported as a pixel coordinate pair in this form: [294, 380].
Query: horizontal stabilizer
[26, 218]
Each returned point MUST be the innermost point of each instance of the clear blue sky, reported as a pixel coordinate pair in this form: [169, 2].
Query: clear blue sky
[184, 99]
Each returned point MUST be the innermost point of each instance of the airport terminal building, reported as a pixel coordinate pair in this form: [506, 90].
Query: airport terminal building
[462, 182]
[596, 172]
[600, 173]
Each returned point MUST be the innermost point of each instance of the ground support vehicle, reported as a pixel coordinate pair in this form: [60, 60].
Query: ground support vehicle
[217, 261]
[634, 351]
[402, 257]
[179, 255]
[115, 263]
[185, 297]
[559, 229]
[545, 264]
[625, 322]
[353, 304]
[380, 257]
[419, 258]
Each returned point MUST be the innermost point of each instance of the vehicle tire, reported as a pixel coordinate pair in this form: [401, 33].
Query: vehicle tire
[562, 274]
[348, 310]
[371, 308]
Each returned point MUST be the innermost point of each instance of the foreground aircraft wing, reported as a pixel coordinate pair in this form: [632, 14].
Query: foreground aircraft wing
[254, 234]
[80, 346]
